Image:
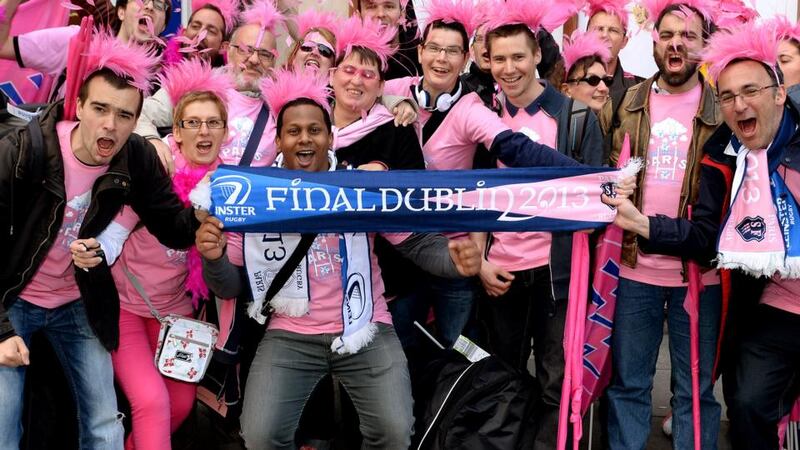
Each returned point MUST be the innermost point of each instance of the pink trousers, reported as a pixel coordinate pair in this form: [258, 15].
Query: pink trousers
[158, 404]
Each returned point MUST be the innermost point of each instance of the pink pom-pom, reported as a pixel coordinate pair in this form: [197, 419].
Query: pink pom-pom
[654, 8]
[286, 85]
[367, 33]
[747, 41]
[228, 8]
[130, 60]
[534, 14]
[264, 14]
[194, 75]
[581, 45]
[314, 19]
[617, 8]
[465, 12]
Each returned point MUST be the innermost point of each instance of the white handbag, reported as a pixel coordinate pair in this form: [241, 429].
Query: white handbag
[184, 345]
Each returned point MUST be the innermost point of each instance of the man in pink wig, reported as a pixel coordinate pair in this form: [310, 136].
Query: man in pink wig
[525, 276]
[745, 217]
[609, 18]
[251, 57]
[62, 184]
[46, 50]
[668, 118]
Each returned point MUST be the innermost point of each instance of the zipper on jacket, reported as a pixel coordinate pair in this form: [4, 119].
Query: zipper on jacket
[38, 249]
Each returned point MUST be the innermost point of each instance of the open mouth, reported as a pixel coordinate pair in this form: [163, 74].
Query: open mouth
[105, 147]
[747, 127]
[204, 147]
[355, 93]
[311, 62]
[511, 80]
[675, 63]
[305, 157]
[440, 71]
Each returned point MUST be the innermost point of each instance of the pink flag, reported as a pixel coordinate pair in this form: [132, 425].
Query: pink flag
[26, 85]
[692, 306]
[600, 316]
[76, 66]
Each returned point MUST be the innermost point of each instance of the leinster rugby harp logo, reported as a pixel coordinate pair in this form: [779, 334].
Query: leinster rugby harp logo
[236, 191]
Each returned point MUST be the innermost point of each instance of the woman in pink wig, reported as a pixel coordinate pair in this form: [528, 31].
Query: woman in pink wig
[315, 48]
[586, 60]
[150, 276]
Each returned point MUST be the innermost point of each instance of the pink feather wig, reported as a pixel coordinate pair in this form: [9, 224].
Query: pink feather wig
[194, 75]
[731, 13]
[228, 8]
[581, 45]
[370, 34]
[654, 8]
[132, 61]
[747, 41]
[264, 14]
[465, 12]
[286, 85]
[617, 8]
[314, 20]
[547, 14]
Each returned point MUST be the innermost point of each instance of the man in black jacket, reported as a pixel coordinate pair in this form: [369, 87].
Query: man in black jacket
[61, 184]
[760, 354]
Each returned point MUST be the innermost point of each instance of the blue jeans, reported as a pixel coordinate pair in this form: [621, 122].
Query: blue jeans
[87, 366]
[638, 329]
[452, 300]
[287, 368]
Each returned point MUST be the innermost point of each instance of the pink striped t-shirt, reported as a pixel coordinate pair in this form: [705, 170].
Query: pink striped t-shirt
[780, 293]
[525, 250]
[54, 283]
[671, 130]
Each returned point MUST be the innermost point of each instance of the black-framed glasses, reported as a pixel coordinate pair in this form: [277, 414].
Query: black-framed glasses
[162, 5]
[324, 50]
[451, 52]
[727, 99]
[593, 80]
[246, 51]
[195, 124]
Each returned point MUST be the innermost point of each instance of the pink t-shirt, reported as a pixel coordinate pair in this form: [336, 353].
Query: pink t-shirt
[242, 114]
[525, 250]
[45, 50]
[785, 294]
[671, 129]
[160, 270]
[54, 284]
[468, 123]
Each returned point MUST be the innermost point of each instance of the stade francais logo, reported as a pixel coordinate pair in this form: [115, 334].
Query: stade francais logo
[236, 190]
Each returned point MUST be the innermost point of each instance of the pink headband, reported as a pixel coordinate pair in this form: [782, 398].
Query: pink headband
[616, 8]
[315, 20]
[547, 14]
[264, 14]
[132, 61]
[581, 45]
[367, 33]
[285, 86]
[731, 13]
[655, 8]
[194, 75]
[465, 12]
[747, 41]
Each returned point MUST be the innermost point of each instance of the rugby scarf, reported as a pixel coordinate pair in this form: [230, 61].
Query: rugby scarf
[377, 116]
[266, 253]
[761, 234]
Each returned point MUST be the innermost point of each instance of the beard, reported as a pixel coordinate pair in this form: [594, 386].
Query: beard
[245, 84]
[675, 79]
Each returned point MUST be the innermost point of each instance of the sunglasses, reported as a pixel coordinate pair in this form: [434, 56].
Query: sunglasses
[593, 80]
[324, 50]
[366, 74]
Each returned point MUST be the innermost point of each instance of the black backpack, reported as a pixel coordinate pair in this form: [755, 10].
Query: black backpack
[482, 405]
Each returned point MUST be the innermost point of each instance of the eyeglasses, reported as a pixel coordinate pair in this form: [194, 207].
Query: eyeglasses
[367, 74]
[324, 50]
[162, 5]
[451, 52]
[727, 99]
[246, 51]
[593, 80]
[194, 124]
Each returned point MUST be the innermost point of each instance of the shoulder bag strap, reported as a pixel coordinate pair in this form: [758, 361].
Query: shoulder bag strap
[255, 137]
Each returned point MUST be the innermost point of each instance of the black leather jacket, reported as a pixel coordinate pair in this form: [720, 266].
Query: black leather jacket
[32, 200]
